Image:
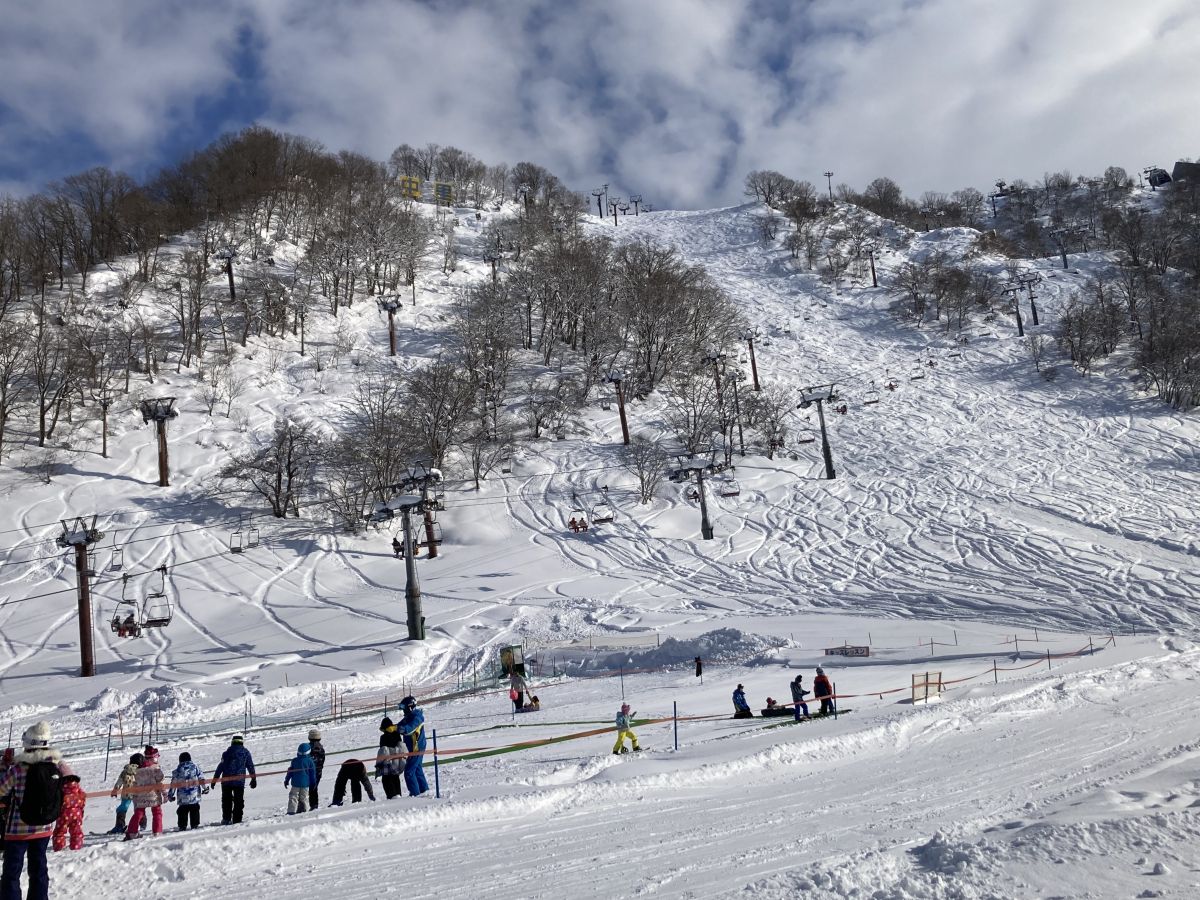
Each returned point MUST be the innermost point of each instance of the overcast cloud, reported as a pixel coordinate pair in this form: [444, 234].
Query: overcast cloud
[675, 99]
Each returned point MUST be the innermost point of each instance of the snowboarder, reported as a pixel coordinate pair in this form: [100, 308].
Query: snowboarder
[389, 762]
[517, 682]
[124, 789]
[624, 730]
[412, 727]
[798, 695]
[353, 773]
[148, 794]
[70, 818]
[318, 758]
[301, 776]
[187, 785]
[741, 709]
[33, 788]
[823, 691]
[236, 763]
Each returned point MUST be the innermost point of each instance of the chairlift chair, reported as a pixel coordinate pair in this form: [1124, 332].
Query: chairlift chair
[118, 559]
[730, 487]
[805, 437]
[423, 537]
[871, 398]
[253, 537]
[506, 465]
[603, 513]
[126, 619]
[918, 373]
[237, 541]
[156, 611]
[91, 563]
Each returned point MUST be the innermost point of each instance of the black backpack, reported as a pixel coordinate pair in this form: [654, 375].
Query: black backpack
[42, 801]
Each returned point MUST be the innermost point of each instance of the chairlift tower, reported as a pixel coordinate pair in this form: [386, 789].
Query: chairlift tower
[618, 378]
[748, 335]
[636, 200]
[227, 255]
[80, 535]
[389, 304]
[684, 475]
[872, 248]
[614, 204]
[829, 179]
[715, 358]
[411, 495]
[160, 410]
[820, 395]
[598, 193]
[105, 400]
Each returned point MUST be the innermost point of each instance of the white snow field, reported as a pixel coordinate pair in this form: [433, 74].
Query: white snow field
[985, 524]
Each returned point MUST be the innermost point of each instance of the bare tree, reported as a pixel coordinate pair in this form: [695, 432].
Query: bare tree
[280, 469]
[647, 460]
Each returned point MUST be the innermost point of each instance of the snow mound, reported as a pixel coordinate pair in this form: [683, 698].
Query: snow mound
[721, 645]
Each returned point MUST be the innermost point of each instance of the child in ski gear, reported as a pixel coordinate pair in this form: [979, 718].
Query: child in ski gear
[33, 787]
[823, 691]
[187, 785]
[533, 705]
[318, 757]
[148, 794]
[354, 773]
[517, 682]
[625, 730]
[124, 789]
[798, 695]
[236, 763]
[389, 761]
[412, 727]
[741, 709]
[70, 818]
[301, 775]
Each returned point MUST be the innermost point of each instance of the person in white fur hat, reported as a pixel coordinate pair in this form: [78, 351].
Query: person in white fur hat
[34, 791]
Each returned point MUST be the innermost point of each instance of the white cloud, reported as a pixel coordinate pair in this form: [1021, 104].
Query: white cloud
[676, 99]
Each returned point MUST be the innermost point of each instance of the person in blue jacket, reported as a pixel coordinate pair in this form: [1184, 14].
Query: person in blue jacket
[741, 709]
[412, 729]
[236, 763]
[187, 786]
[301, 776]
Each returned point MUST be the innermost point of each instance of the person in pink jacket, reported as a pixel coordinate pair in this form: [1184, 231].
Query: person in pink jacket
[149, 793]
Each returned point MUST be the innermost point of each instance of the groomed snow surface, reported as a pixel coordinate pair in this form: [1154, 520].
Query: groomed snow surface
[982, 508]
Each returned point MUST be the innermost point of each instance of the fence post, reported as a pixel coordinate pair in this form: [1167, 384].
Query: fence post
[120, 725]
[622, 670]
[107, 750]
[834, 701]
[437, 781]
[1048, 669]
[674, 715]
[1091, 649]
[1017, 644]
[955, 637]
[995, 674]
[1112, 637]
[1035, 635]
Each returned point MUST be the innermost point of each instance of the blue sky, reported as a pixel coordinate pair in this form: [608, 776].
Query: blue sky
[674, 99]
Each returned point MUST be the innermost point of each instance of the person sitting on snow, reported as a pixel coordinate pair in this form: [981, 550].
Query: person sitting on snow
[741, 709]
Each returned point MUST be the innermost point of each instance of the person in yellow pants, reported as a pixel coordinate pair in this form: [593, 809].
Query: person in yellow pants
[624, 730]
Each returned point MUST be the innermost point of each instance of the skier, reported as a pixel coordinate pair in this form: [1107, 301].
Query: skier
[518, 683]
[148, 794]
[124, 789]
[798, 695]
[70, 818]
[354, 773]
[397, 547]
[187, 785]
[823, 691]
[624, 730]
[741, 709]
[33, 789]
[412, 727]
[318, 758]
[389, 762]
[301, 776]
[236, 763]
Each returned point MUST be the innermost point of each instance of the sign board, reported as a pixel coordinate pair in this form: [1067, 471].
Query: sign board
[443, 192]
[847, 650]
[410, 186]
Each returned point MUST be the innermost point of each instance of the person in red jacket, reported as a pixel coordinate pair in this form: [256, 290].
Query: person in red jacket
[823, 691]
[70, 820]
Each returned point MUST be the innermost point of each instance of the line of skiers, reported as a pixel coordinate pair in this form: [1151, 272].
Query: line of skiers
[822, 691]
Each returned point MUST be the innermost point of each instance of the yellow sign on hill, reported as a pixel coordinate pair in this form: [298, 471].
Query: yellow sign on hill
[410, 186]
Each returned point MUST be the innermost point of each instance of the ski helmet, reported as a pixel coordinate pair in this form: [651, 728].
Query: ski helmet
[408, 702]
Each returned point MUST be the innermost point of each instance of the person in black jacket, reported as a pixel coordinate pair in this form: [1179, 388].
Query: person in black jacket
[318, 757]
[353, 773]
[389, 762]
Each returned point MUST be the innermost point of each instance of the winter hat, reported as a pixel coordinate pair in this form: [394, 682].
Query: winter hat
[314, 735]
[739, 687]
[624, 707]
[185, 757]
[304, 749]
[820, 671]
[36, 735]
[237, 739]
[137, 759]
[151, 753]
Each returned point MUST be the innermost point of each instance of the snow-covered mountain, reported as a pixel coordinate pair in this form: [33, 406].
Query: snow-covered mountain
[984, 518]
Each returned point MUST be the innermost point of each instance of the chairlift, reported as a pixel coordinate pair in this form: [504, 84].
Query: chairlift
[237, 540]
[603, 513]
[423, 535]
[729, 487]
[506, 465]
[841, 408]
[91, 563]
[253, 537]
[871, 397]
[578, 520]
[126, 620]
[156, 611]
[918, 373]
[805, 436]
